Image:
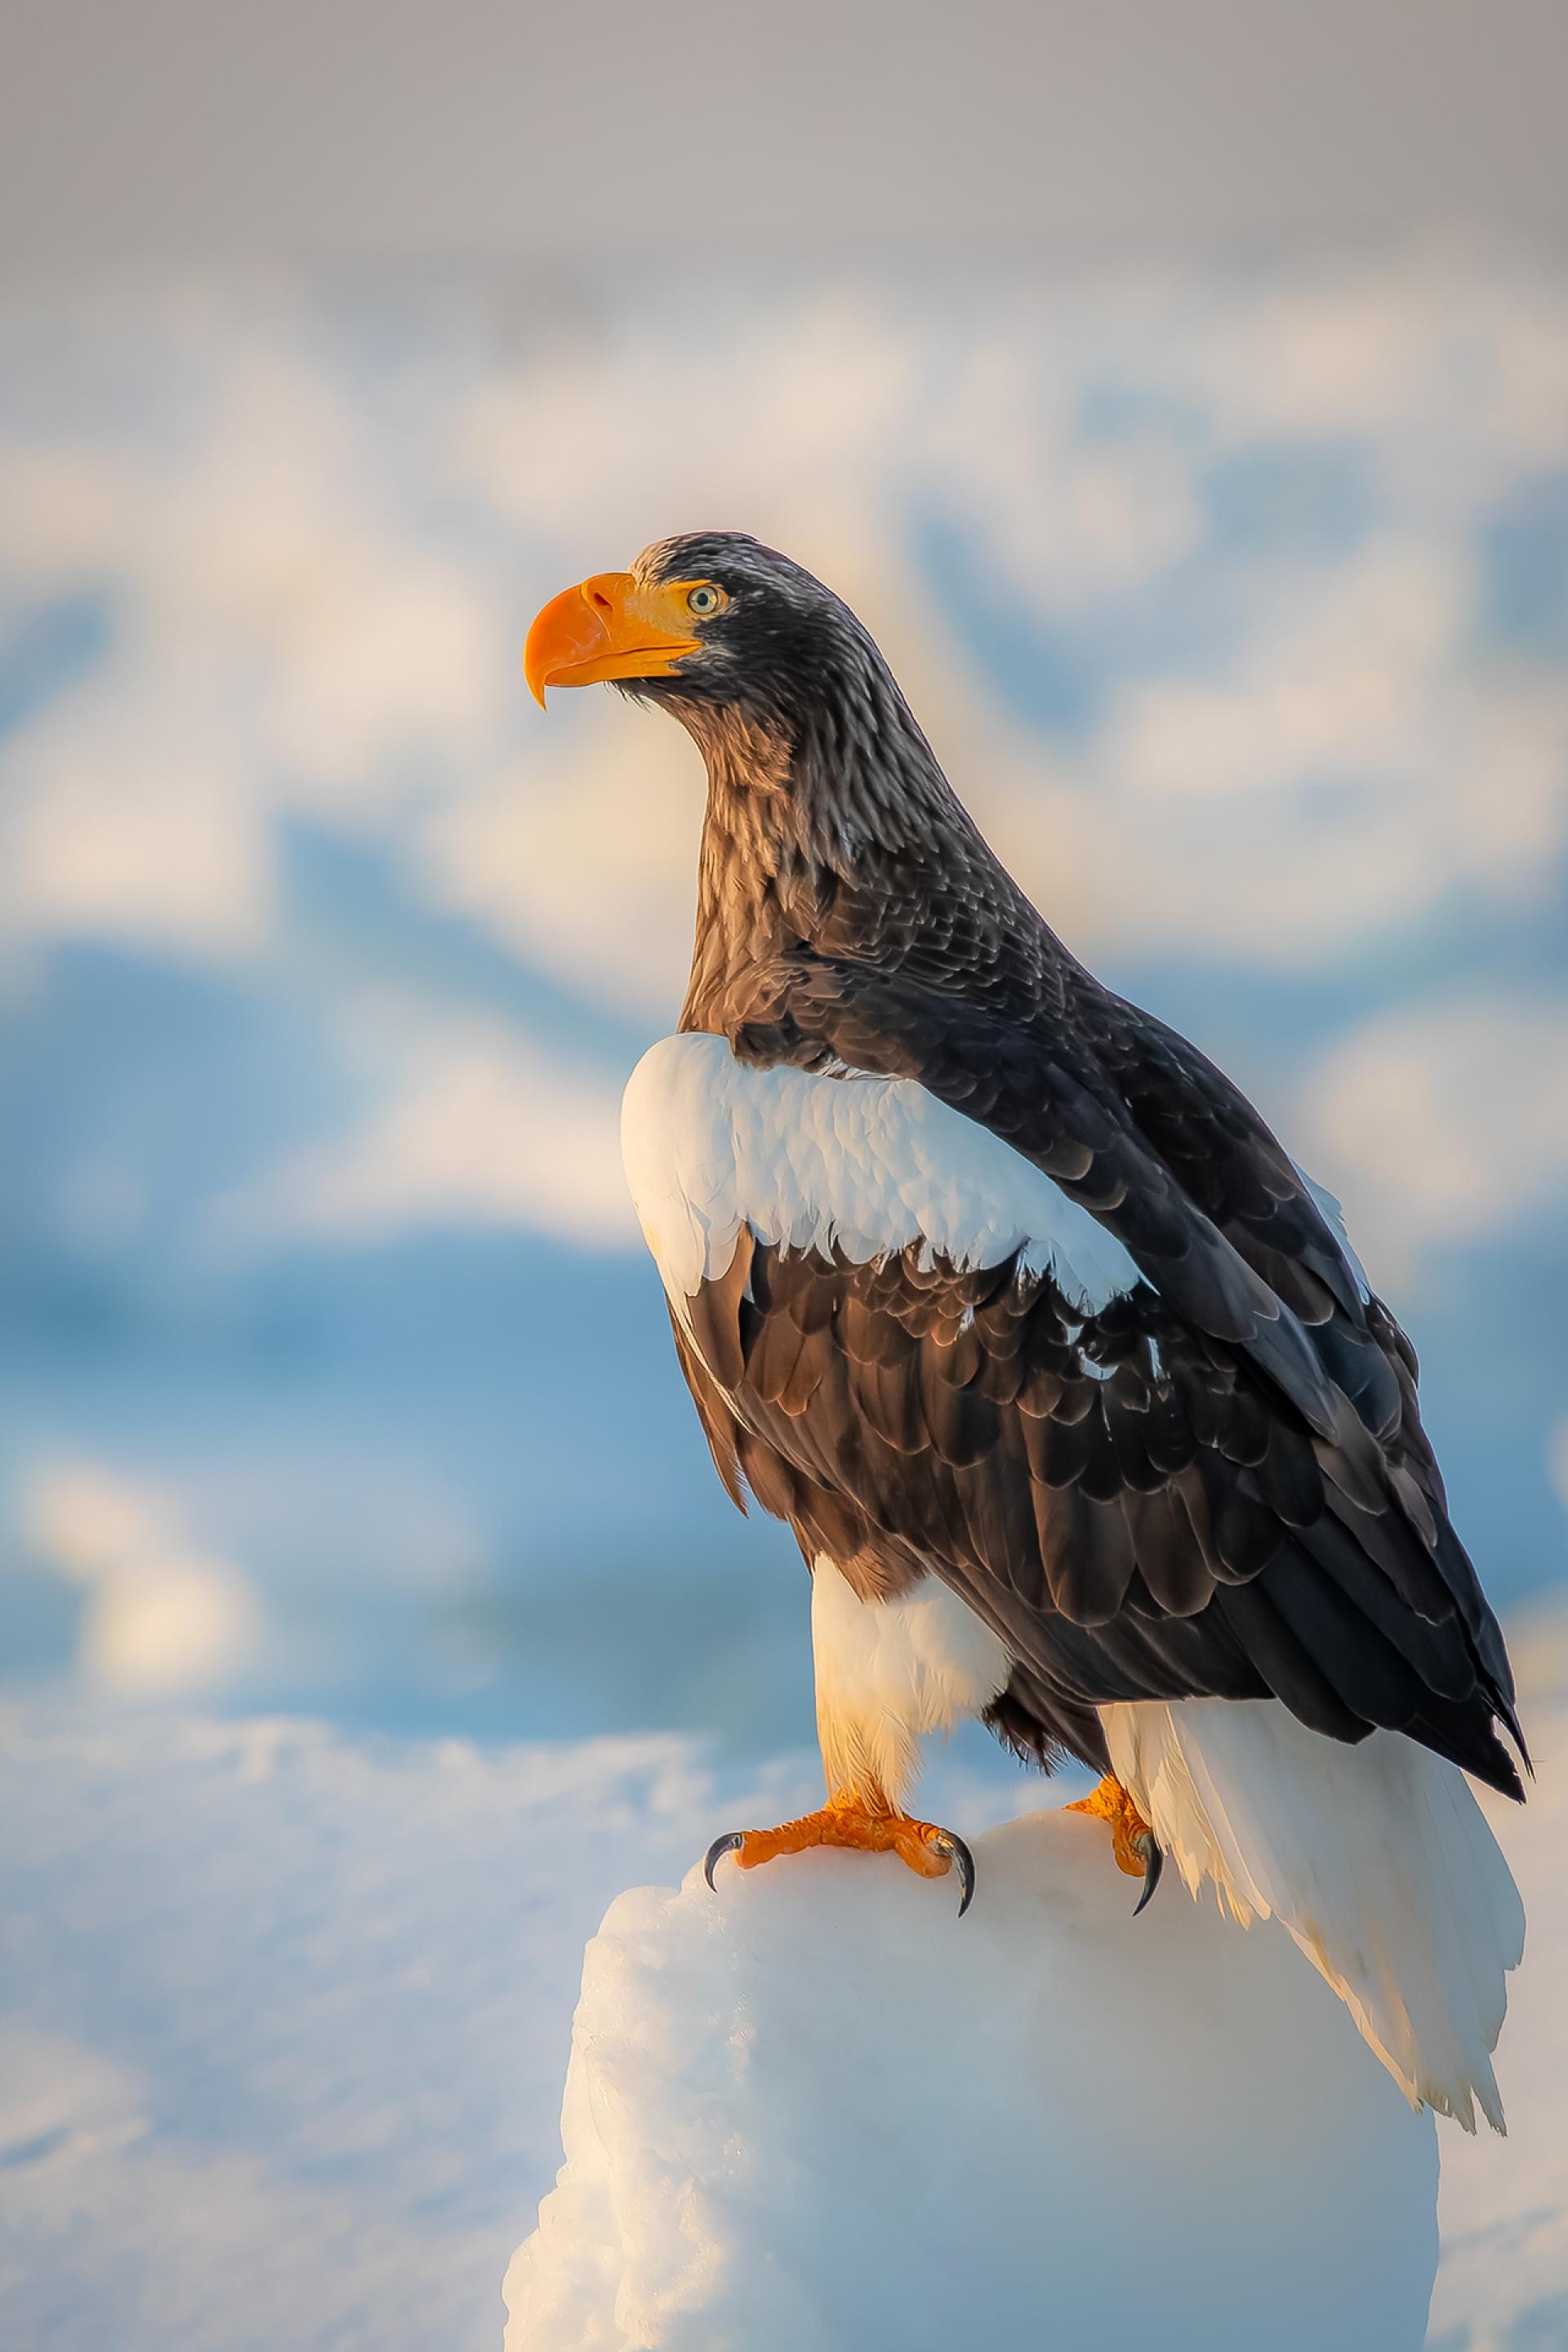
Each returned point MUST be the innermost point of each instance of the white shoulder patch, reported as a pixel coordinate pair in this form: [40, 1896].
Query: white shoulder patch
[870, 1164]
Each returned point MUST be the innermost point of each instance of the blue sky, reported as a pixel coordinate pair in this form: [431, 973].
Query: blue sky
[332, 1374]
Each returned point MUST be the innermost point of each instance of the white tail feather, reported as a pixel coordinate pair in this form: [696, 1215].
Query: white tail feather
[1377, 1858]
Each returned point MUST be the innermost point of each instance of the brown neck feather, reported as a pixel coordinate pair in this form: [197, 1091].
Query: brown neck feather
[850, 849]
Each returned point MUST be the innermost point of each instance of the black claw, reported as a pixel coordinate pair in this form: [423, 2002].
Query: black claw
[731, 1841]
[962, 1861]
[1153, 1863]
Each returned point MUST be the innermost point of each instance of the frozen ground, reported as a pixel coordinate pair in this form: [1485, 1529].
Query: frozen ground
[285, 2023]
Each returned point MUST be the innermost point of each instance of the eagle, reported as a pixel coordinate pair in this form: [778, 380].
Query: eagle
[1064, 1375]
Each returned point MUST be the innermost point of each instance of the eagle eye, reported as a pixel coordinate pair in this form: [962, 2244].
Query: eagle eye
[704, 598]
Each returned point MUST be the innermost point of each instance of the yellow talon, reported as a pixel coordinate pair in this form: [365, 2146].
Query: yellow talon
[846, 1822]
[1131, 1835]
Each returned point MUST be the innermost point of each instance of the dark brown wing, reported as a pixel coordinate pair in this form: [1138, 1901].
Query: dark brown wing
[1181, 1494]
[1121, 1500]
[1234, 1170]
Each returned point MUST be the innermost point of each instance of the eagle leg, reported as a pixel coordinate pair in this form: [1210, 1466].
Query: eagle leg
[1133, 1842]
[847, 1822]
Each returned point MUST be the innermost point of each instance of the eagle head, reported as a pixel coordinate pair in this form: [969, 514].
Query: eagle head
[705, 622]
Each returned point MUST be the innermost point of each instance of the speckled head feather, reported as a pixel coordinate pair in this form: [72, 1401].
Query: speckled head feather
[790, 686]
[780, 639]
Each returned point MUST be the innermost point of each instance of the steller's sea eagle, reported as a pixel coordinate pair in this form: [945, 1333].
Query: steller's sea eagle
[1066, 1377]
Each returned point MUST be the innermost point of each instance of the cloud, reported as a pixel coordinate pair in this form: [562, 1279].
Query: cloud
[1452, 378]
[1341, 773]
[1445, 1122]
[582, 857]
[129, 816]
[161, 1615]
[320, 581]
[292, 633]
[476, 1125]
[1069, 516]
[1557, 1461]
[782, 418]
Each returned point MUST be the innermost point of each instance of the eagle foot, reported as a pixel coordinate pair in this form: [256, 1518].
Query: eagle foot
[844, 1822]
[1133, 1842]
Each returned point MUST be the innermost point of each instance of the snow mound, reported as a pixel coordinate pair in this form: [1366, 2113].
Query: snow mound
[819, 2109]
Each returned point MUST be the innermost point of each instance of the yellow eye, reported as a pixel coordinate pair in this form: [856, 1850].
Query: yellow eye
[704, 599]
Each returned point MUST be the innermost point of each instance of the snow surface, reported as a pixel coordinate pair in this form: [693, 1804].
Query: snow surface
[284, 2017]
[822, 2109]
[1503, 2285]
[282, 2021]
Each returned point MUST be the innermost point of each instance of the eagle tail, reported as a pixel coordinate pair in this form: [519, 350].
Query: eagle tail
[1374, 1858]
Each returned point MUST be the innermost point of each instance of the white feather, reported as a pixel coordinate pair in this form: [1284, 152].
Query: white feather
[871, 1165]
[1375, 1858]
[889, 1672]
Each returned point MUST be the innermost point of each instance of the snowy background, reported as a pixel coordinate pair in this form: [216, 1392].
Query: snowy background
[1237, 605]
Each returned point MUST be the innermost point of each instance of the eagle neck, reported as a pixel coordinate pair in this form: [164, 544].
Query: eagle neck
[835, 832]
[760, 882]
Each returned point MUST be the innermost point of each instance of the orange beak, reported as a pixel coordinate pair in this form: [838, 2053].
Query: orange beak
[610, 627]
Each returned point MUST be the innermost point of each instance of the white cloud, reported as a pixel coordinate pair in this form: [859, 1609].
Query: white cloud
[1348, 770]
[1448, 1122]
[291, 631]
[316, 612]
[69, 510]
[129, 814]
[1453, 379]
[162, 1614]
[1557, 1463]
[1067, 518]
[289, 553]
[476, 1125]
[583, 857]
[1327, 682]
[781, 420]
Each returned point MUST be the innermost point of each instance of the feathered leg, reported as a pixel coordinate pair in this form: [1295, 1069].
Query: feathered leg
[887, 1672]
